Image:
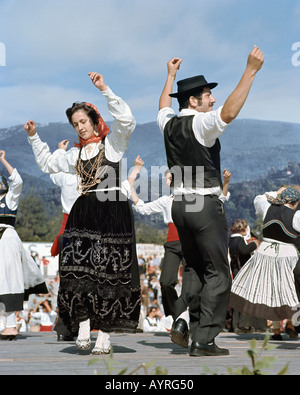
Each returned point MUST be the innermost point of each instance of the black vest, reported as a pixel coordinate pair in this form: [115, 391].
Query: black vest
[108, 174]
[278, 224]
[7, 216]
[188, 159]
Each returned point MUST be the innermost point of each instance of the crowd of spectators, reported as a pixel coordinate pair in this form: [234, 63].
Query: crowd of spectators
[40, 311]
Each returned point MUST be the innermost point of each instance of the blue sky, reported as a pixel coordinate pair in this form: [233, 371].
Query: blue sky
[52, 45]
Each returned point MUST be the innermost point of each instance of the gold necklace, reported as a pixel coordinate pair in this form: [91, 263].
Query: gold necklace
[86, 171]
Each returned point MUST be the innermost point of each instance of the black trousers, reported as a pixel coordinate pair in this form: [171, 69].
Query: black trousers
[202, 229]
[173, 305]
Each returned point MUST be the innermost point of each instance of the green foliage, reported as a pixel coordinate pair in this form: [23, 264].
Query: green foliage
[34, 223]
[112, 366]
[148, 234]
[259, 363]
[39, 215]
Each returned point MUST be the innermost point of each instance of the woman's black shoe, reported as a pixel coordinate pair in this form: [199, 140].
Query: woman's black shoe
[8, 337]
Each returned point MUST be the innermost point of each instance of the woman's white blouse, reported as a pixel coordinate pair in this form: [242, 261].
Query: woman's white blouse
[116, 142]
[12, 197]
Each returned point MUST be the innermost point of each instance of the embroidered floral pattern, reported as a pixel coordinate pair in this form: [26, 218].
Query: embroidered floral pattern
[96, 281]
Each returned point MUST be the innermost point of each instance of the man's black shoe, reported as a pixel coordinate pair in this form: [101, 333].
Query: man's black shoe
[180, 333]
[204, 350]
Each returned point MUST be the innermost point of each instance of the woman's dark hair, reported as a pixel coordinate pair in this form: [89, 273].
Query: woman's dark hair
[184, 100]
[238, 226]
[82, 106]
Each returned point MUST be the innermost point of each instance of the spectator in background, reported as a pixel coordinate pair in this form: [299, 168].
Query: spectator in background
[47, 316]
[45, 263]
[142, 265]
[21, 323]
[240, 252]
[156, 321]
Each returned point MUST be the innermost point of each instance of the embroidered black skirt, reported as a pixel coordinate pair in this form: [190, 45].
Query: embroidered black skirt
[99, 277]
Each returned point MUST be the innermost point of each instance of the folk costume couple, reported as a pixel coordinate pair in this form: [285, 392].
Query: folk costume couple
[99, 274]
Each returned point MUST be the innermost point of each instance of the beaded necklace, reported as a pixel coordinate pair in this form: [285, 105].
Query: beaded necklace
[87, 171]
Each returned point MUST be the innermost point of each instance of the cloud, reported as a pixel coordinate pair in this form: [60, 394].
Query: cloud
[37, 102]
[60, 34]
[51, 46]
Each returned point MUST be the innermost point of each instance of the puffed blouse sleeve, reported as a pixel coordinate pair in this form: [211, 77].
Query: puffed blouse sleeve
[59, 160]
[15, 189]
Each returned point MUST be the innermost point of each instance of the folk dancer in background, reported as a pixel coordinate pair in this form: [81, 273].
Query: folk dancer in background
[265, 286]
[19, 274]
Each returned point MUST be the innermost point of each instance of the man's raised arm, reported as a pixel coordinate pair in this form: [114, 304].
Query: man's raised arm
[236, 100]
[173, 66]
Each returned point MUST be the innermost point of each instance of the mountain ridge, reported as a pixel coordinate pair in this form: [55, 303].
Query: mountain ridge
[250, 148]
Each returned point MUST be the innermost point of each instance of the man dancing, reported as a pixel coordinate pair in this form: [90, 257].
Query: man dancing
[193, 149]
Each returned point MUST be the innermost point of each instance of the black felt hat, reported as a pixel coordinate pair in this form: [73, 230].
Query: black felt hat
[190, 85]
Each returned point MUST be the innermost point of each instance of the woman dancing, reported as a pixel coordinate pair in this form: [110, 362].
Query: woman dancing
[19, 274]
[265, 286]
[99, 277]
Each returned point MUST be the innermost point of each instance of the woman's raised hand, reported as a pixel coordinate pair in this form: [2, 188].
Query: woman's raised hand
[63, 144]
[98, 81]
[2, 154]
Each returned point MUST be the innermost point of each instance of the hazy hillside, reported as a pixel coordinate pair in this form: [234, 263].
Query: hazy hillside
[260, 155]
[249, 147]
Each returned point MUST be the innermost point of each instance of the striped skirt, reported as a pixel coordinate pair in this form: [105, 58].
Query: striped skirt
[265, 286]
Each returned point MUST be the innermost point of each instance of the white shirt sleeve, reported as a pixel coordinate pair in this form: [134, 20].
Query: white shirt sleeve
[116, 142]
[126, 189]
[68, 185]
[296, 221]
[224, 198]
[162, 205]
[57, 179]
[59, 161]
[261, 203]
[12, 197]
[208, 127]
[164, 115]
[149, 208]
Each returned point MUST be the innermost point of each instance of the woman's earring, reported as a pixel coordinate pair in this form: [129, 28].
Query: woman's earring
[96, 133]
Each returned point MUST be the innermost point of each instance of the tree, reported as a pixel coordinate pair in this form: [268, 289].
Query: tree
[33, 222]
